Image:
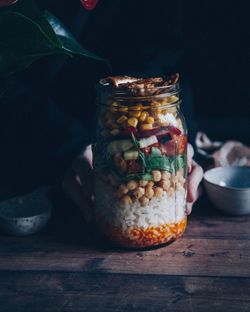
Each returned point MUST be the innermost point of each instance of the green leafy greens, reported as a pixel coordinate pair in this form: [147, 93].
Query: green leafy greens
[156, 160]
[141, 154]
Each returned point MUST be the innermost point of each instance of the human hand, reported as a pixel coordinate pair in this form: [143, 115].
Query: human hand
[4, 3]
[195, 175]
[78, 183]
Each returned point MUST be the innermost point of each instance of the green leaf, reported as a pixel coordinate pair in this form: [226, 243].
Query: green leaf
[29, 10]
[178, 162]
[141, 154]
[135, 141]
[143, 160]
[138, 176]
[155, 152]
[26, 36]
[135, 176]
[69, 43]
[158, 162]
[21, 42]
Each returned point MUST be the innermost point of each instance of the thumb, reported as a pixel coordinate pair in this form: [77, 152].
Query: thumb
[75, 187]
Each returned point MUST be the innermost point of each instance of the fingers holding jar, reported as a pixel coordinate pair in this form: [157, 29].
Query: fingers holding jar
[193, 181]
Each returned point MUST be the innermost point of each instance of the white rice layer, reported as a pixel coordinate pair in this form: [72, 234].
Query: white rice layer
[165, 210]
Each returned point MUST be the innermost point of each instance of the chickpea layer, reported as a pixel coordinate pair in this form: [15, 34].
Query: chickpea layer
[144, 190]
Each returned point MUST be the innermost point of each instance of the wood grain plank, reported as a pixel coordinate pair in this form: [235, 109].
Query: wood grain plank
[40, 291]
[225, 227]
[193, 257]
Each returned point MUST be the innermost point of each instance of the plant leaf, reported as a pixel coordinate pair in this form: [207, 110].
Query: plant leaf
[155, 152]
[69, 43]
[135, 176]
[26, 36]
[141, 154]
[21, 42]
[158, 162]
[29, 9]
[135, 141]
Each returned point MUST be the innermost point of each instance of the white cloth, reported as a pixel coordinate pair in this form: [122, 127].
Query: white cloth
[230, 153]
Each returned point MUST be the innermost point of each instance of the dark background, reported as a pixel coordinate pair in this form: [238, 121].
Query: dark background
[219, 58]
[206, 41]
[47, 115]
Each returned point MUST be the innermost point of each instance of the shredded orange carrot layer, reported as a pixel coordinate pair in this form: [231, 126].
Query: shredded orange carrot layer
[145, 237]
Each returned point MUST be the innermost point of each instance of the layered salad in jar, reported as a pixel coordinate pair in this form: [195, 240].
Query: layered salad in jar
[140, 161]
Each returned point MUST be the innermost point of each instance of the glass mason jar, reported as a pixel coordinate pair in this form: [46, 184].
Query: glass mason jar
[140, 164]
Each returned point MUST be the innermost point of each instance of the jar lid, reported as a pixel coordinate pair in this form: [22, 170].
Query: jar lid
[126, 86]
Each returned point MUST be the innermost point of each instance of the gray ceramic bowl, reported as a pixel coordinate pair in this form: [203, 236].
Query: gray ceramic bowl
[26, 214]
[228, 188]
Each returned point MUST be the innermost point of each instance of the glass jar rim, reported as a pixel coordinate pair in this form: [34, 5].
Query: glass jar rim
[122, 94]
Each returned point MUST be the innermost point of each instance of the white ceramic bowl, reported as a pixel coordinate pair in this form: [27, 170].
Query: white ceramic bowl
[228, 188]
[26, 214]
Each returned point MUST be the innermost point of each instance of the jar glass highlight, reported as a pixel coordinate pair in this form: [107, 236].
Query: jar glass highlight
[140, 166]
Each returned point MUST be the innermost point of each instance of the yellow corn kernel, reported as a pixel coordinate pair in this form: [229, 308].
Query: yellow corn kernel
[136, 114]
[150, 120]
[143, 116]
[164, 101]
[145, 126]
[164, 111]
[156, 111]
[172, 110]
[123, 109]
[115, 132]
[155, 104]
[132, 122]
[113, 109]
[172, 99]
[136, 107]
[122, 119]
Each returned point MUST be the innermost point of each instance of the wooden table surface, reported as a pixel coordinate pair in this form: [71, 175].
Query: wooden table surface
[68, 267]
